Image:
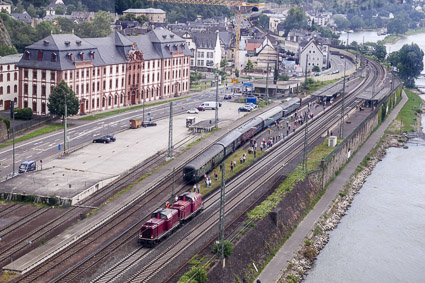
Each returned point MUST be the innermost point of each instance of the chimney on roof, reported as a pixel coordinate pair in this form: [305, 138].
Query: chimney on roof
[164, 36]
[67, 43]
[78, 42]
[172, 35]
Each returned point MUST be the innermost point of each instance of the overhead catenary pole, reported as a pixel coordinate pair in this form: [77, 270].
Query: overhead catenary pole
[64, 126]
[216, 100]
[13, 136]
[221, 217]
[306, 71]
[143, 107]
[267, 84]
[305, 155]
[341, 126]
[170, 133]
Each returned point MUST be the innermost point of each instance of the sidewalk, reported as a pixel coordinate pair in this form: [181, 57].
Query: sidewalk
[275, 268]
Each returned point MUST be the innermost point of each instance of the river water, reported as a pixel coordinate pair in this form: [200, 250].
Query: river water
[382, 236]
[372, 36]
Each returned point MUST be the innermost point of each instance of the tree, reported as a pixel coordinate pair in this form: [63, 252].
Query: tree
[237, 73]
[296, 19]
[409, 62]
[316, 69]
[341, 22]
[56, 103]
[64, 25]
[31, 11]
[249, 66]
[397, 25]
[223, 63]
[70, 8]
[284, 77]
[60, 10]
[43, 29]
[380, 51]
[356, 22]
[263, 21]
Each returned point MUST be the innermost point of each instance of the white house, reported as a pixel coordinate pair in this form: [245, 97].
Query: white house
[5, 6]
[9, 80]
[315, 54]
[274, 21]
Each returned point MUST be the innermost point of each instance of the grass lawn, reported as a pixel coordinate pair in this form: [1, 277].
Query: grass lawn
[318, 84]
[198, 86]
[42, 131]
[406, 118]
[114, 112]
[313, 163]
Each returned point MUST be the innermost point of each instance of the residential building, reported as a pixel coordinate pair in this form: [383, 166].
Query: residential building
[154, 15]
[5, 6]
[105, 73]
[318, 55]
[9, 80]
[274, 21]
[261, 52]
[23, 17]
[51, 8]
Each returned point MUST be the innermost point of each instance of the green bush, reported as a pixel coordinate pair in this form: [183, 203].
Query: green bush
[196, 274]
[23, 113]
[228, 248]
[6, 121]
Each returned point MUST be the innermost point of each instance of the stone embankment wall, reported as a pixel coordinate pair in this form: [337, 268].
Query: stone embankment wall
[3, 131]
[259, 243]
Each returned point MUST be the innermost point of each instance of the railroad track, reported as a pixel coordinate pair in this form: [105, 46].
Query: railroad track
[165, 183]
[284, 154]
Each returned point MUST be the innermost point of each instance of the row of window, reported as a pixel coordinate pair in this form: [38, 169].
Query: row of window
[209, 54]
[15, 89]
[15, 77]
[7, 67]
[43, 75]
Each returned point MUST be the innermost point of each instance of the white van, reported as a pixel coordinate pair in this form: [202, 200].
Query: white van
[210, 105]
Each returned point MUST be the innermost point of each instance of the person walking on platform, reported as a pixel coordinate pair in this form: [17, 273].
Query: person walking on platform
[199, 189]
[194, 188]
[215, 176]
[231, 166]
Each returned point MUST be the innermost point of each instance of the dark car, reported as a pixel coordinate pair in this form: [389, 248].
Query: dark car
[111, 137]
[227, 96]
[103, 139]
[245, 109]
[148, 124]
[201, 108]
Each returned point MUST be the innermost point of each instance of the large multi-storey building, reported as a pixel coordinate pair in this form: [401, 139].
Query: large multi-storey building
[106, 72]
[9, 80]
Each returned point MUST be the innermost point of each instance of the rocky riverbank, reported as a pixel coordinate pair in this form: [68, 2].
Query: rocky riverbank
[319, 237]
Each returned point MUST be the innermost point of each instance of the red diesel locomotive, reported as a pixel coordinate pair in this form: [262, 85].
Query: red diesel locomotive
[165, 220]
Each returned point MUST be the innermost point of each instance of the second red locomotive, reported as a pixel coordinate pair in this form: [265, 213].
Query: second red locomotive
[165, 221]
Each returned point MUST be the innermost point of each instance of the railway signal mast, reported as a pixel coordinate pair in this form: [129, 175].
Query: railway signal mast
[170, 134]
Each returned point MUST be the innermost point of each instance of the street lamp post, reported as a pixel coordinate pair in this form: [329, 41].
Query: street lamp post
[64, 127]
[13, 136]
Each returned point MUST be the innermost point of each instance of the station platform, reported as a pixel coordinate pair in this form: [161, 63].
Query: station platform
[75, 176]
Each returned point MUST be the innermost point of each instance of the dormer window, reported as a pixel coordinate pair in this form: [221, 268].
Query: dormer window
[67, 43]
[91, 54]
[81, 56]
[78, 42]
[27, 55]
[40, 55]
[54, 57]
[164, 36]
[172, 35]
[183, 46]
[168, 47]
[69, 55]
[175, 46]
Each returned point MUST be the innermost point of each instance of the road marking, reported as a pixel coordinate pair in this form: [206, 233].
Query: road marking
[52, 144]
[56, 140]
[2, 159]
[28, 157]
[17, 161]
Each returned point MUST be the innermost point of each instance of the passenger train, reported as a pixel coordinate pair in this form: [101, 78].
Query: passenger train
[208, 160]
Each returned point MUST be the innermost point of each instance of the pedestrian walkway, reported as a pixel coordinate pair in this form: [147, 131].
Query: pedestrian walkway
[275, 268]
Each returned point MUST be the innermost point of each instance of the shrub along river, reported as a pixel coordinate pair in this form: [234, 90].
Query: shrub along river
[382, 236]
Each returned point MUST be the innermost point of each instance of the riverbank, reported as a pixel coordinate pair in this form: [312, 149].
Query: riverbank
[391, 39]
[319, 237]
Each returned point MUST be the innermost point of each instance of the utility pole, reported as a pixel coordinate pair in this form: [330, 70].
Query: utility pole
[305, 155]
[64, 126]
[13, 135]
[172, 188]
[170, 134]
[267, 84]
[306, 71]
[143, 107]
[216, 100]
[221, 217]
[341, 126]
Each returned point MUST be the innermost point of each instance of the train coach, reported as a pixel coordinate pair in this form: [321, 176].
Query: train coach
[164, 221]
[194, 171]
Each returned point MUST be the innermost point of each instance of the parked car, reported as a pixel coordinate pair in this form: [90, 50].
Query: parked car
[254, 106]
[245, 109]
[227, 96]
[192, 111]
[201, 108]
[103, 139]
[111, 137]
[26, 166]
[148, 124]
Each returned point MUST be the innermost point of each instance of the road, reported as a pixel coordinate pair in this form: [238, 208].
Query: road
[81, 132]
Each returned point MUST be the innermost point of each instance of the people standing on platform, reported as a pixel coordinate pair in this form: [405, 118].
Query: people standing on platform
[231, 166]
[194, 188]
[199, 189]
